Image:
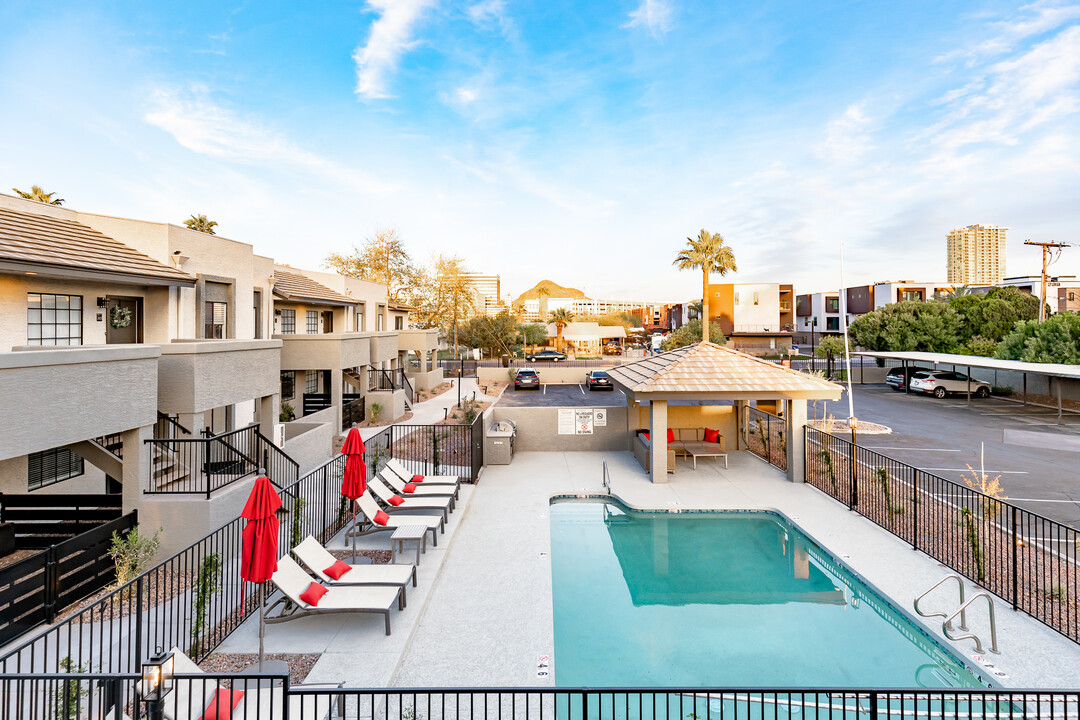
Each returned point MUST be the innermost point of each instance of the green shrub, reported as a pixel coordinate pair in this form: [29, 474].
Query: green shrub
[294, 521]
[827, 457]
[285, 414]
[208, 583]
[1002, 390]
[131, 553]
[375, 411]
[69, 693]
[973, 541]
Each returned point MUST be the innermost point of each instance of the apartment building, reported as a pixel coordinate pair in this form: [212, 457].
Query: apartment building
[1062, 291]
[543, 298]
[140, 357]
[756, 317]
[975, 255]
[488, 290]
[819, 313]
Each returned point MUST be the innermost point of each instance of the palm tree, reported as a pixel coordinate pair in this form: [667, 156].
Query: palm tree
[709, 254]
[561, 317]
[36, 193]
[542, 293]
[199, 223]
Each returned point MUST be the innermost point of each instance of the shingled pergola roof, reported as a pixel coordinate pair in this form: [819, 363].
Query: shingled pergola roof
[302, 289]
[51, 246]
[710, 371]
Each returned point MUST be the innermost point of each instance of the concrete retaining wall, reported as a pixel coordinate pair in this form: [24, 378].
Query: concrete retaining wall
[538, 430]
[313, 446]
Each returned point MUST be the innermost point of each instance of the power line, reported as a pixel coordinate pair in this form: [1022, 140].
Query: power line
[1049, 257]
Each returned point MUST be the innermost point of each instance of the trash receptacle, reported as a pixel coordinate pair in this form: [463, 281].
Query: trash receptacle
[499, 443]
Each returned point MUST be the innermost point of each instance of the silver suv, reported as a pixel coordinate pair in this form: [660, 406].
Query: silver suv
[940, 383]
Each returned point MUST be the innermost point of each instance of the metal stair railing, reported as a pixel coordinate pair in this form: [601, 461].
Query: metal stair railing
[960, 583]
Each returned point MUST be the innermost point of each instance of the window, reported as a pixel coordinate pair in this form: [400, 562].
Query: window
[361, 318]
[288, 385]
[832, 305]
[399, 323]
[736, 297]
[1072, 296]
[288, 322]
[379, 320]
[215, 320]
[311, 382]
[312, 322]
[832, 323]
[52, 466]
[911, 295]
[53, 319]
[756, 299]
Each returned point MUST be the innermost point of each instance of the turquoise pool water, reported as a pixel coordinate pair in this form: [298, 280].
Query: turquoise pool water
[721, 600]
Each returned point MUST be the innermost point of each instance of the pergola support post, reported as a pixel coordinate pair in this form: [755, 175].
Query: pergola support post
[658, 441]
[795, 419]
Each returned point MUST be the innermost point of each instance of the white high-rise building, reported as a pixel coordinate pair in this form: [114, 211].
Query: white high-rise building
[976, 255]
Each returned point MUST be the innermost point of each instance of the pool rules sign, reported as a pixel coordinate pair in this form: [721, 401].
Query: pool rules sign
[575, 421]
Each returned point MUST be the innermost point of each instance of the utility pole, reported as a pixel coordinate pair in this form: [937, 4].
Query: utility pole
[1049, 257]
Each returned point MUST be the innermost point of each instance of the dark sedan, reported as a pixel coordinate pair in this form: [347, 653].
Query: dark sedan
[552, 355]
[895, 377]
[526, 378]
[598, 380]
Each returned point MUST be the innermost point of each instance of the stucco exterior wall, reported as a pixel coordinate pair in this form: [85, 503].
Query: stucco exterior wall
[425, 380]
[334, 351]
[392, 402]
[715, 417]
[199, 376]
[538, 430]
[66, 395]
[384, 346]
[314, 446]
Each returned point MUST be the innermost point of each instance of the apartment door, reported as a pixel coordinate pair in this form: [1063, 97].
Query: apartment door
[328, 321]
[123, 320]
[257, 300]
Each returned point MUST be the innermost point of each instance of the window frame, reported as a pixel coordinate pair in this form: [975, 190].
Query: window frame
[213, 330]
[53, 325]
[311, 322]
[288, 328]
[65, 465]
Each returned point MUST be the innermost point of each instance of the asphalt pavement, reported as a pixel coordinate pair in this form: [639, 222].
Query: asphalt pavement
[1024, 445]
[552, 395]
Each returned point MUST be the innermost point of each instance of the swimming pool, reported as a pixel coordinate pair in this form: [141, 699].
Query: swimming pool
[726, 599]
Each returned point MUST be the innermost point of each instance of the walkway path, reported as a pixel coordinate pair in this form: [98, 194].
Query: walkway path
[432, 411]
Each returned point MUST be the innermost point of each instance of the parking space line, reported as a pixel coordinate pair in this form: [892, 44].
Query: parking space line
[1012, 499]
[545, 389]
[581, 389]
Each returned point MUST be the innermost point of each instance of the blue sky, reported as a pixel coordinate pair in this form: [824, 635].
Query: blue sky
[580, 142]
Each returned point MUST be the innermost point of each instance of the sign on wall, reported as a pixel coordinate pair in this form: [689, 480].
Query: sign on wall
[567, 422]
[584, 422]
[600, 418]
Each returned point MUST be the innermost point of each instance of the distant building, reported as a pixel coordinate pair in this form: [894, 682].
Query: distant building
[535, 305]
[756, 317]
[819, 313]
[1062, 292]
[488, 293]
[975, 255]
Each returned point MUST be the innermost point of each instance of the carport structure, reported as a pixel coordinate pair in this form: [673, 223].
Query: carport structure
[1055, 371]
[706, 376]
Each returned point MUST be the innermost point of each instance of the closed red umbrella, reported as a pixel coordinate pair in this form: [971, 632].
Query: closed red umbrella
[260, 543]
[354, 479]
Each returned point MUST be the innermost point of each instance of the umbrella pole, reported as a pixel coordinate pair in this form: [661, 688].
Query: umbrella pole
[262, 621]
[354, 532]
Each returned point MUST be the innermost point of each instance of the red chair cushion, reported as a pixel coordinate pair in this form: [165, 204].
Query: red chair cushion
[223, 704]
[395, 500]
[380, 518]
[417, 478]
[313, 594]
[646, 435]
[670, 435]
[337, 569]
[410, 487]
[712, 436]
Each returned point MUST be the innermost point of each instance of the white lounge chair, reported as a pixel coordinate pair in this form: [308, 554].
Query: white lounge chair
[192, 694]
[292, 581]
[398, 485]
[370, 508]
[317, 558]
[402, 472]
[384, 493]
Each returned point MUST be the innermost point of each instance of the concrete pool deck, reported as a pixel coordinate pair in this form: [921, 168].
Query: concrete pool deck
[482, 614]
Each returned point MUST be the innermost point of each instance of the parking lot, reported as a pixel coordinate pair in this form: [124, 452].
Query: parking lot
[1035, 457]
[562, 396]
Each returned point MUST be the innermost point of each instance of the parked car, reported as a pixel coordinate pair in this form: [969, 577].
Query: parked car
[526, 378]
[895, 377]
[612, 349]
[598, 380]
[940, 383]
[552, 355]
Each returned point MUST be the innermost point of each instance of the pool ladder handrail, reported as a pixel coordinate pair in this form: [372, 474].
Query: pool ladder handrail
[945, 627]
[605, 481]
[963, 605]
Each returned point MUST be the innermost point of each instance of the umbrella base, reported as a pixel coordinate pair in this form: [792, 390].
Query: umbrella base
[269, 667]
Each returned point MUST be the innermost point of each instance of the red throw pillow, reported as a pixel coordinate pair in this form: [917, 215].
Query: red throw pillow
[337, 569]
[712, 436]
[223, 704]
[410, 487]
[670, 435]
[313, 594]
[395, 500]
[646, 435]
[417, 478]
[380, 518]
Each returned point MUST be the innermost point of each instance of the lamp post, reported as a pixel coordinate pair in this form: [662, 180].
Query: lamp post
[157, 676]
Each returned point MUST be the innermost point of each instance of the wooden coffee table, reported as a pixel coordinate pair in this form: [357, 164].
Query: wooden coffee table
[695, 453]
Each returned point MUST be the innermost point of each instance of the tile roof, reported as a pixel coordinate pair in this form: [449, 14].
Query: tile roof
[708, 368]
[59, 243]
[300, 288]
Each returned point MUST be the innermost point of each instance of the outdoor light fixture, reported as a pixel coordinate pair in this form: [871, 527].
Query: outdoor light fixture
[157, 682]
[101, 302]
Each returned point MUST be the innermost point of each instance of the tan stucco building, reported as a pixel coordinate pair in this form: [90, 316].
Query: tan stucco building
[975, 255]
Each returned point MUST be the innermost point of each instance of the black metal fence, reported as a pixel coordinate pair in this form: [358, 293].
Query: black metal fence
[192, 600]
[43, 519]
[766, 437]
[1029, 560]
[202, 465]
[431, 449]
[34, 590]
[353, 410]
[452, 367]
[268, 697]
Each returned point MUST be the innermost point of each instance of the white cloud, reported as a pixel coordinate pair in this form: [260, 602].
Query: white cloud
[208, 129]
[654, 15]
[390, 37]
[847, 138]
[491, 13]
[1033, 19]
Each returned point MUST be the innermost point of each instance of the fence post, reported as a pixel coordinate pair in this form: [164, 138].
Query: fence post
[1015, 561]
[138, 624]
[51, 582]
[584, 705]
[915, 509]
[853, 460]
[873, 705]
